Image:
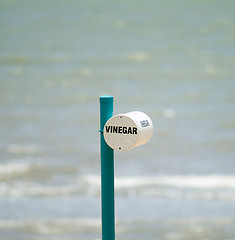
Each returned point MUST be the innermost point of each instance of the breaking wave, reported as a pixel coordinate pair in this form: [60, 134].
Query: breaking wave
[181, 181]
[179, 186]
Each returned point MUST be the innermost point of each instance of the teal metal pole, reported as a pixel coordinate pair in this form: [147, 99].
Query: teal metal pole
[107, 173]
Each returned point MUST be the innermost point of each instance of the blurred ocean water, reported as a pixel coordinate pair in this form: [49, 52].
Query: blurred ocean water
[173, 60]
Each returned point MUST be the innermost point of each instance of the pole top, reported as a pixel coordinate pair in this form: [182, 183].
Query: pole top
[106, 99]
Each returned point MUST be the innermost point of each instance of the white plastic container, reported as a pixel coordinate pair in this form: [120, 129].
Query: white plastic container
[126, 131]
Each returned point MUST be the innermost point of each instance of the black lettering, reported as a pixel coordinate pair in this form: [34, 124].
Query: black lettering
[115, 129]
[120, 129]
[107, 128]
[134, 130]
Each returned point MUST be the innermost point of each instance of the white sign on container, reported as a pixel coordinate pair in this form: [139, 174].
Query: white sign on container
[125, 131]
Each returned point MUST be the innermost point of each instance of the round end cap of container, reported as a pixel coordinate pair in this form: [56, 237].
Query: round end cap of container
[120, 132]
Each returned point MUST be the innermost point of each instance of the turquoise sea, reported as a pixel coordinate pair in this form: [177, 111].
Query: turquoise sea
[173, 60]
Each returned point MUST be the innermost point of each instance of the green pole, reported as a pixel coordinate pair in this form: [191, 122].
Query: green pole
[107, 173]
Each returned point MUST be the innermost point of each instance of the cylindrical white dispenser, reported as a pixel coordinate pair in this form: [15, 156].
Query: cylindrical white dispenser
[125, 131]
